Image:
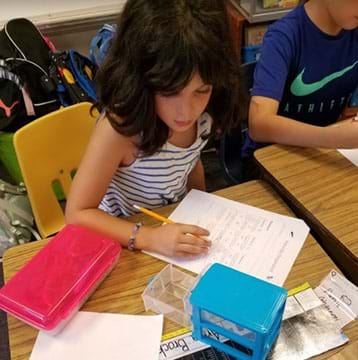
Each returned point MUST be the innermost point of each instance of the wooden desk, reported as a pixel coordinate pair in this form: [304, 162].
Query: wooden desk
[349, 352]
[121, 291]
[321, 186]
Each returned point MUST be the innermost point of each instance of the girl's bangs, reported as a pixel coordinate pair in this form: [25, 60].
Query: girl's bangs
[171, 79]
[171, 74]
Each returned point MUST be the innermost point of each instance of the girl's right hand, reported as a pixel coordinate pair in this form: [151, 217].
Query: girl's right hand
[177, 240]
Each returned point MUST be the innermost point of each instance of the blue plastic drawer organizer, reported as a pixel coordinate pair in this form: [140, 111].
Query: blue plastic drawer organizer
[222, 304]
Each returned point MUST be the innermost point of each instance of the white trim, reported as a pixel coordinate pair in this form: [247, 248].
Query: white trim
[28, 61]
[57, 19]
[13, 42]
[46, 102]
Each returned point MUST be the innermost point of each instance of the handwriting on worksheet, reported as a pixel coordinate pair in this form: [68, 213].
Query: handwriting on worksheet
[252, 240]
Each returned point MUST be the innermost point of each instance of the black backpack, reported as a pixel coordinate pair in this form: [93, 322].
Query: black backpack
[26, 89]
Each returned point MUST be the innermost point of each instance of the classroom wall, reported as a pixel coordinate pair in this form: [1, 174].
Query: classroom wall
[77, 40]
[68, 23]
[52, 11]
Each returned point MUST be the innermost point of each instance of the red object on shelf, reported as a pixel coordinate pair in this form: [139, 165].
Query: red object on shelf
[237, 22]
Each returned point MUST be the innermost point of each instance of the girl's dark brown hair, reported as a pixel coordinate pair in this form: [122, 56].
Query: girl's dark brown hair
[159, 45]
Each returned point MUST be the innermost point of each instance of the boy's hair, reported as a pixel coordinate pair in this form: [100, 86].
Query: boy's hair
[159, 46]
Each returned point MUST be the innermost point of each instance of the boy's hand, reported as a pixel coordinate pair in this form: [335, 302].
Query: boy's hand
[178, 240]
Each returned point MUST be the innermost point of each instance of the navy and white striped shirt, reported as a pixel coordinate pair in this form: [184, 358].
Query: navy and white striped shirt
[156, 180]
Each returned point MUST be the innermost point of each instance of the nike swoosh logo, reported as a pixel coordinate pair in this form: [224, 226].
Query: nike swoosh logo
[300, 88]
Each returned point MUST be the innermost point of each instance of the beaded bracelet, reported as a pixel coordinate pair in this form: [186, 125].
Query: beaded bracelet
[131, 241]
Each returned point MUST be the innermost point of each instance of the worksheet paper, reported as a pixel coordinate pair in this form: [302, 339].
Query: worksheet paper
[255, 241]
[94, 336]
[350, 154]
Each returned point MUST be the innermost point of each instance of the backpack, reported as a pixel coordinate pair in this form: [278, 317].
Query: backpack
[26, 89]
[16, 220]
[101, 43]
[73, 75]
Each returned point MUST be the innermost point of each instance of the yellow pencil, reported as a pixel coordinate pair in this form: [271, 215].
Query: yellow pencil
[153, 214]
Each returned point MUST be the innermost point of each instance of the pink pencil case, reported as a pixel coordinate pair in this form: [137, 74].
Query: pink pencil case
[56, 282]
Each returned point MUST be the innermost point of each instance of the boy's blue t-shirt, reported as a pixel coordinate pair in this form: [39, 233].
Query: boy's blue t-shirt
[312, 74]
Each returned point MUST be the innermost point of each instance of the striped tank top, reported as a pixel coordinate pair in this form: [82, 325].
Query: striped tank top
[156, 180]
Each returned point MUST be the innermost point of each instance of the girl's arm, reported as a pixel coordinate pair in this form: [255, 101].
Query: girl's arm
[106, 151]
[196, 179]
[266, 126]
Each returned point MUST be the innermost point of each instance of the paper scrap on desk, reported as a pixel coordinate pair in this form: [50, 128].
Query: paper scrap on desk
[255, 241]
[308, 299]
[292, 308]
[350, 154]
[94, 336]
[340, 298]
[301, 302]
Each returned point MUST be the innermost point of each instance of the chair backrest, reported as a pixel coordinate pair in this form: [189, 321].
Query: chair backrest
[231, 145]
[247, 77]
[49, 150]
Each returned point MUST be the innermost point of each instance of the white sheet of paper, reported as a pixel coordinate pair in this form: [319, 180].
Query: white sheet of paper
[292, 308]
[94, 336]
[255, 241]
[341, 288]
[308, 299]
[340, 297]
[350, 154]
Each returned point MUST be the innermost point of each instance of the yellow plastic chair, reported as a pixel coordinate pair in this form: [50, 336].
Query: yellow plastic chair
[49, 150]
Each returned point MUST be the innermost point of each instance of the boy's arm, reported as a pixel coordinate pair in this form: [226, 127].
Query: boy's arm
[266, 126]
[196, 179]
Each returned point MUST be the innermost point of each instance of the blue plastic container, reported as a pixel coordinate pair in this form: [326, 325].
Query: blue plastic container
[354, 99]
[250, 53]
[239, 307]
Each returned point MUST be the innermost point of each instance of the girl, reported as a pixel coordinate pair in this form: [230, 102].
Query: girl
[307, 71]
[168, 83]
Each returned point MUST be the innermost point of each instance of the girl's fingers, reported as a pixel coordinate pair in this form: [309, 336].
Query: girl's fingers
[189, 249]
[194, 230]
[194, 241]
[195, 235]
